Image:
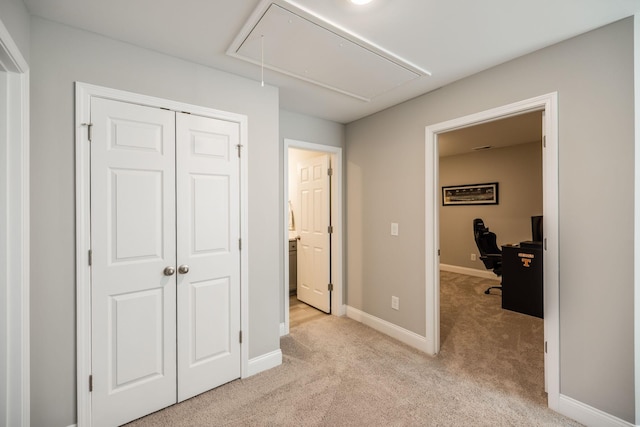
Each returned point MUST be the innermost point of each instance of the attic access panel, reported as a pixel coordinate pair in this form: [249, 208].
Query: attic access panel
[302, 45]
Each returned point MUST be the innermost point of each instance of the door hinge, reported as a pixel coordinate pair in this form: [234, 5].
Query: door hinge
[544, 140]
[545, 347]
[240, 337]
[438, 252]
[90, 382]
[90, 257]
[89, 127]
[239, 149]
[239, 244]
[330, 171]
[330, 229]
[330, 287]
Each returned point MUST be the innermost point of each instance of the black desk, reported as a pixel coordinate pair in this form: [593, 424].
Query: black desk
[522, 278]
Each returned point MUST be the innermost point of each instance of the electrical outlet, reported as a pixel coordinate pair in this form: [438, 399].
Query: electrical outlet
[395, 303]
[473, 257]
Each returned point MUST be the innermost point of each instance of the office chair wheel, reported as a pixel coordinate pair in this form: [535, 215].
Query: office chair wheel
[488, 291]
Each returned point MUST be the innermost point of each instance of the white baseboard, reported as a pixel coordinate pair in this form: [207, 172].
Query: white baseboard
[404, 335]
[485, 274]
[264, 362]
[588, 415]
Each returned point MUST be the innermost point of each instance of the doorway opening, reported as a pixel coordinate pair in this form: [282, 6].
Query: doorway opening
[297, 266]
[547, 104]
[482, 328]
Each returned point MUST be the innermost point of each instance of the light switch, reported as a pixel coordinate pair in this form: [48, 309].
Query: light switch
[394, 228]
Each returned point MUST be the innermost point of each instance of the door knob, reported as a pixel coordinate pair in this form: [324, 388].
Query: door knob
[183, 269]
[169, 271]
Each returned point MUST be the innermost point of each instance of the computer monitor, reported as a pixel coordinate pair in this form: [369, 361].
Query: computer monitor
[536, 228]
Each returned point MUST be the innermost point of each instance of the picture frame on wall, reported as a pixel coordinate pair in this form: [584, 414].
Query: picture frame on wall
[470, 194]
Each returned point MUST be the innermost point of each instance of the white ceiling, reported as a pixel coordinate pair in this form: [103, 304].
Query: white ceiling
[452, 39]
[514, 130]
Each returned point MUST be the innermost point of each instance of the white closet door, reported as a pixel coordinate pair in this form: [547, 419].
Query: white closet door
[314, 252]
[208, 214]
[133, 302]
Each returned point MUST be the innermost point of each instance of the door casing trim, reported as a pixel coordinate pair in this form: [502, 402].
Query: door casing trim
[15, 392]
[547, 103]
[83, 94]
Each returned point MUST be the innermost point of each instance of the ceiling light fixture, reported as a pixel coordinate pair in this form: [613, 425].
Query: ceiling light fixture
[360, 2]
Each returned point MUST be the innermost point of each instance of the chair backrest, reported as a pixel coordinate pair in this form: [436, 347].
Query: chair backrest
[486, 242]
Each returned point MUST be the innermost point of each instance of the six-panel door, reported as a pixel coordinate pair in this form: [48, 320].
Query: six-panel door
[144, 169]
[314, 253]
[208, 244]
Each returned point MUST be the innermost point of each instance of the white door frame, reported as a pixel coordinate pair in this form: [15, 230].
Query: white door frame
[549, 104]
[14, 234]
[337, 308]
[84, 92]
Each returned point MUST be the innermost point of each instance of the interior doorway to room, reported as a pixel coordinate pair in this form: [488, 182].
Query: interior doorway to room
[313, 232]
[548, 105]
[507, 152]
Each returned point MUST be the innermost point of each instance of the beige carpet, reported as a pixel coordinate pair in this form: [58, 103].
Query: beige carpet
[337, 372]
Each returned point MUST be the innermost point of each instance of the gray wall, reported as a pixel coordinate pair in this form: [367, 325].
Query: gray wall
[593, 75]
[15, 17]
[310, 129]
[518, 171]
[305, 128]
[61, 55]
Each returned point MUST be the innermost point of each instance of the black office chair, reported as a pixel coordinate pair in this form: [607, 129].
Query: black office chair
[490, 254]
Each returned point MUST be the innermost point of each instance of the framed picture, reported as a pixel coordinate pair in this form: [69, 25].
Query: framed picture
[472, 194]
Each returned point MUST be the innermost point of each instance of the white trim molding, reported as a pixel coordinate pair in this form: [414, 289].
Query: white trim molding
[484, 274]
[394, 331]
[14, 235]
[588, 415]
[548, 104]
[264, 362]
[84, 93]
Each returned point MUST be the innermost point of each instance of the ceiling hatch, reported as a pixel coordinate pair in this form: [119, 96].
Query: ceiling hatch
[295, 42]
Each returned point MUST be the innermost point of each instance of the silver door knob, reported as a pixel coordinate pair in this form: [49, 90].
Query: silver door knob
[183, 269]
[169, 271]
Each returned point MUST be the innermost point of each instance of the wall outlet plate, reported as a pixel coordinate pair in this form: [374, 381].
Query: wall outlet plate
[473, 257]
[395, 303]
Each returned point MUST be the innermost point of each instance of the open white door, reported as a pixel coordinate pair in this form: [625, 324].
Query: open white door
[133, 301]
[314, 253]
[208, 190]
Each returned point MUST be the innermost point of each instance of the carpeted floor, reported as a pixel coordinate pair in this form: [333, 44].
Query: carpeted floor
[338, 372]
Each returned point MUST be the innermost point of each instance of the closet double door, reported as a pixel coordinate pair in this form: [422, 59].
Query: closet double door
[165, 261]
